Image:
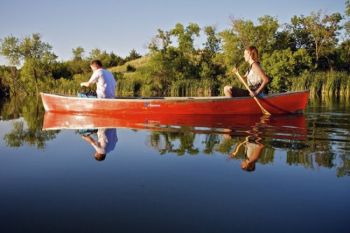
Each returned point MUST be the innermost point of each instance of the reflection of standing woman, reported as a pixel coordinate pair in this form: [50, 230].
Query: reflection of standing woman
[255, 76]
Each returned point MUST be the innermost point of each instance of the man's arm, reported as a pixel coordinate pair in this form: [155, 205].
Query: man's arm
[89, 139]
[91, 81]
[85, 84]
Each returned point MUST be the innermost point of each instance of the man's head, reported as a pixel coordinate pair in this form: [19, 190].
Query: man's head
[95, 64]
[99, 156]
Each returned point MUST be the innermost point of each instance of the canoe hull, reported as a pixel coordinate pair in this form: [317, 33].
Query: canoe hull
[285, 103]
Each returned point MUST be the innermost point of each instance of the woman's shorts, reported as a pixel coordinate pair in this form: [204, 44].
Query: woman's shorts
[239, 92]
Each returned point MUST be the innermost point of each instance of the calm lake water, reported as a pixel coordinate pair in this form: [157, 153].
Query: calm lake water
[174, 174]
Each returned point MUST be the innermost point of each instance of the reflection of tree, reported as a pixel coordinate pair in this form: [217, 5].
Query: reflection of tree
[20, 135]
[156, 140]
[186, 144]
[311, 147]
[344, 169]
[325, 160]
[328, 136]
[299, 158]
[164, 142]
[210, 142]
[11, 108]
[267, 155]
[225, 145]
[32, 112]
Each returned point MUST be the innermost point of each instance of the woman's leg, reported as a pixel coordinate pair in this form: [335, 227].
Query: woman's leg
[228, 91]
[235, 92]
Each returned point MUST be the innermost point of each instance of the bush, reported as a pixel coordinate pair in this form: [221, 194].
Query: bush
[130, 68]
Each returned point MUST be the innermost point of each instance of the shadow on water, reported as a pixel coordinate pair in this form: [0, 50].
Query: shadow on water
[320, 138]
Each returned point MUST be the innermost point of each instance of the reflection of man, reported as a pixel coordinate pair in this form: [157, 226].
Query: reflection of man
[253, 149]
[106, 141]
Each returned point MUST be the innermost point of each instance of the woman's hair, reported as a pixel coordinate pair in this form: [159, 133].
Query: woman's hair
[253, 51]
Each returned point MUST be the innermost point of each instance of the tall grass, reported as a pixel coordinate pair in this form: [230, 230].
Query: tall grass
[138, 86]
[323, 84]
[204, 87]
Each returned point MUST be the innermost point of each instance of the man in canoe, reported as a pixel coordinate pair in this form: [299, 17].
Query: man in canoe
[255, 76]
[104, 80]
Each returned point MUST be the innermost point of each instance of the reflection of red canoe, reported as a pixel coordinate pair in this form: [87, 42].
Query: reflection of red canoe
[284, 103]
[283, 125]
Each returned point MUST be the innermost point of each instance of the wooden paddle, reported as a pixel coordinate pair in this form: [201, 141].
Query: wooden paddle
[264, 111]
[233, 154]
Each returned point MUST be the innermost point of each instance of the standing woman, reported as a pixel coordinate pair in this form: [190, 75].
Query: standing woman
[255, 76]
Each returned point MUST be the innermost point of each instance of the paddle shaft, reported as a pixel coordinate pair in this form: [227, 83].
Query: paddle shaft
[264, 111]
[238, 147]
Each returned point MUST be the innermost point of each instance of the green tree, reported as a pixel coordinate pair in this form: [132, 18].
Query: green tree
[263, 35]
[209, 65]
[185, 36]
[343, 55]
[35, 55]
[160, 42]
[283, 64]
[116, 60]
[244, 33]
[133, 55]
[169, 65]
[107, 59]
[232, 48]
[78, 53]
[347, 13]
[279, 65]
[318, 34]
[9, 80]
[95, 53]
[212, 45]
[285, 40]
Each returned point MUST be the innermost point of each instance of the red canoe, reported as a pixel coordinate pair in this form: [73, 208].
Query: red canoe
[285, 103]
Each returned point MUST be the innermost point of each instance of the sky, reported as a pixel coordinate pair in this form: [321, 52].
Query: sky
[123, 25]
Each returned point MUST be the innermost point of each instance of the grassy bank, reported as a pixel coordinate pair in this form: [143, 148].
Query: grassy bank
[323, 84]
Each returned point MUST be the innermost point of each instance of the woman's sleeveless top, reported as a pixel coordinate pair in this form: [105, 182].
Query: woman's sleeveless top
[253, 79]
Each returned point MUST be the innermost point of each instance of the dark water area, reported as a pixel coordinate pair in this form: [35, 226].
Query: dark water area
[174, 173]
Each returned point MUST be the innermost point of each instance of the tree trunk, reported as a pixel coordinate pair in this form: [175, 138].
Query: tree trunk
[36, 81]
[14, 80]
[316, 53]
